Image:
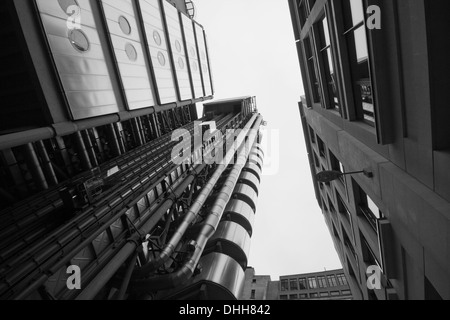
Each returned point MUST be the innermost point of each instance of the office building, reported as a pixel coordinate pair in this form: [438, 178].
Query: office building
[100, 196]
[375, 77]
[325, 285]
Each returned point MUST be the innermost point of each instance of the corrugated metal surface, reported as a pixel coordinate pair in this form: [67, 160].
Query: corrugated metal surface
[79, 59]
[158, 46]
[192, 53]
[178, 51]
[204, 62]
[128, 49]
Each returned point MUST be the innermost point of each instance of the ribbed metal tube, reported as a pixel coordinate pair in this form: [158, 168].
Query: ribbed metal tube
[234, 241]
[210, 226]
[240, 212]
[192, 214]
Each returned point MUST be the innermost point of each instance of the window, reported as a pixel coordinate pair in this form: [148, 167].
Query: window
[303, 296]
[302, 284]
[336, 165]
[328, 64]
[293, 297]
[355, 34]
[331, 205]
[312, 283]
[342, 280]
[312, 135]
[254, 281]
[369, 209]
[283, 297]
[253, 295]
[322, 282]
[316, 160]
[368, 255]
[312, 70]
[321, 147]
[346, 292]
[335, 293]
[313, 295]
[324, 294]
[284, 285]
[293, 284]
[348, 243]
[332, 281]
[343, 207]
[302, 13]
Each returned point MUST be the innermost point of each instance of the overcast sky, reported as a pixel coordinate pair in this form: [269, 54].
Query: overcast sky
[253, 52]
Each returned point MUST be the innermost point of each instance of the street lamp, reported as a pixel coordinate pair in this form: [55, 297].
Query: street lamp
[328, 176]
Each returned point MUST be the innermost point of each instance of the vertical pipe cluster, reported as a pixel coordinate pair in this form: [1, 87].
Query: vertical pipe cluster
[230, 245]
[218, 269]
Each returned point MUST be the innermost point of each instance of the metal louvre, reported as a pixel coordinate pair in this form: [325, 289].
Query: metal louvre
[81, 65]
[128, 50]
[178, 51]
[158, 46]
[204, 62]
[194, 64]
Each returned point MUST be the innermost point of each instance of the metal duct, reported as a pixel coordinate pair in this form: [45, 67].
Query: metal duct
[192, 214]
[234, 241]
[250, 179]
[222, 278]
[110, 269]
[252, 167]
[209, 227]
[240, 212]
[246, 193]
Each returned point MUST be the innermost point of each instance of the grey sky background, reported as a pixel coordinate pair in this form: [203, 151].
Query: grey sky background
[253, 52]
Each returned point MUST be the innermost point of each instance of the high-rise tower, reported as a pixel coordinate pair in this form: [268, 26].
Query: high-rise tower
[101, 197]
[376, 79]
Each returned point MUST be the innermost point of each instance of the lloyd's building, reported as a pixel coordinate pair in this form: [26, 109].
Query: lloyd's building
[93, 204]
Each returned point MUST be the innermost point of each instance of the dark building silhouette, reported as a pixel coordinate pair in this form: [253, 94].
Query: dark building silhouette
[376, 79]
[95, 185]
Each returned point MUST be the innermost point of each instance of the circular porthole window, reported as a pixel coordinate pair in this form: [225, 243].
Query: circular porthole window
[178, 45]
[195, 66]
[67, 6]
[157, 37]
[161, 59]
[192, 52]
[205, 68]
[131, 52]
[124, 25]
[79, 40]
[181, 63]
